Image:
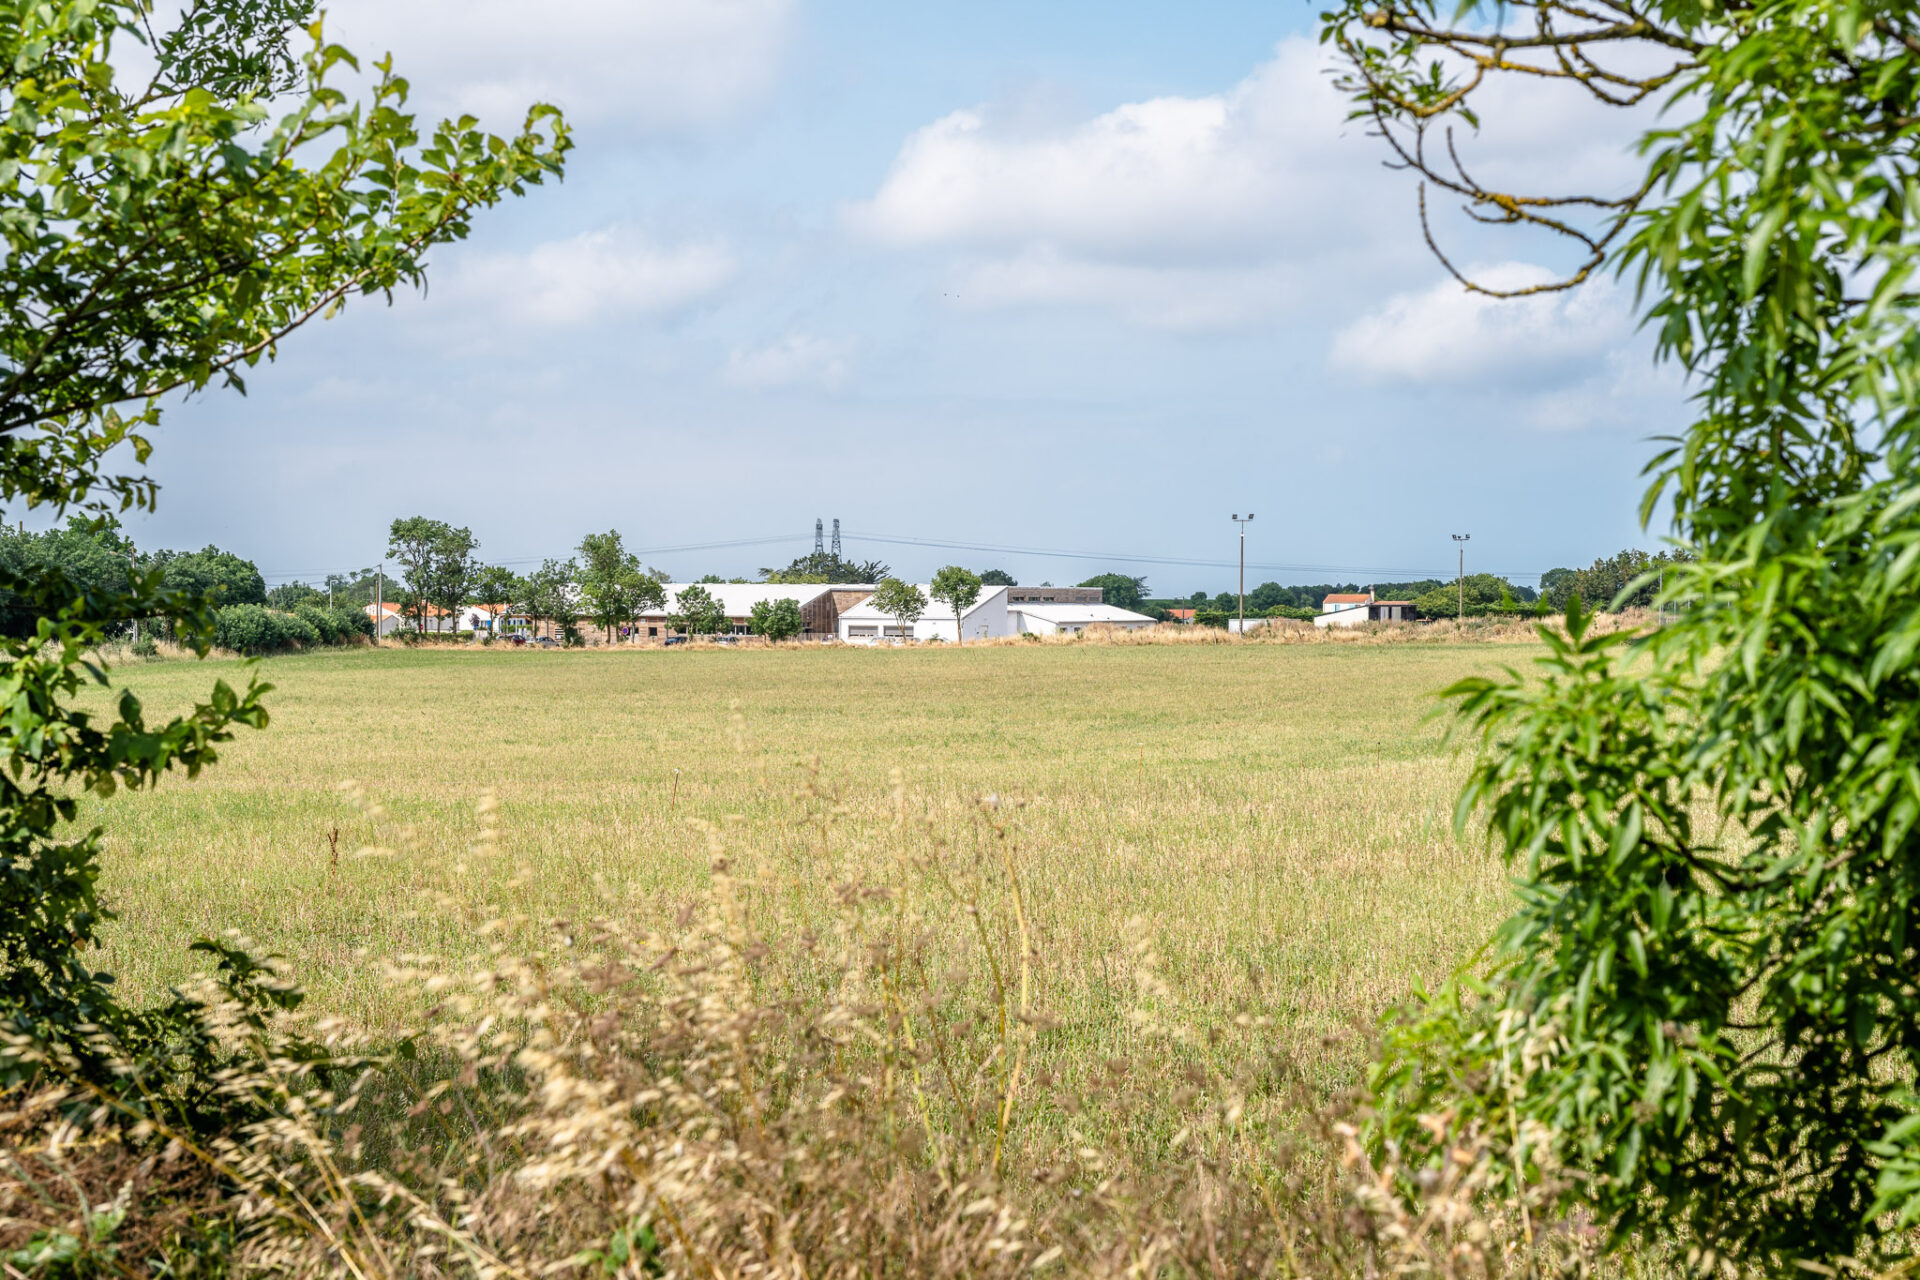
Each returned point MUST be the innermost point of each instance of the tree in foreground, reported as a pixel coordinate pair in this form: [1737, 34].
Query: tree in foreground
[776, 619]
[1703, 1011]
[901, 600]
[168, 219]
[697, 613]
[613, 586]
[959, 590]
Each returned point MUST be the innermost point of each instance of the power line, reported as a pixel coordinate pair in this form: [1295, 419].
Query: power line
[639, 551]
[1334, 571]
[1178, 561]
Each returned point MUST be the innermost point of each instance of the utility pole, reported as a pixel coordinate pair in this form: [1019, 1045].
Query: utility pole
[131, 570]
[1463, 539]
[379, 600]
[1243, 521]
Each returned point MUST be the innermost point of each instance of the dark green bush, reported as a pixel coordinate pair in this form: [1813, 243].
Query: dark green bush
[323, 621]
[246, 628]
[252, 628]
[352, 623]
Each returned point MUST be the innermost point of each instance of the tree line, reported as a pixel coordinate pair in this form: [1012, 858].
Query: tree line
[95, 555]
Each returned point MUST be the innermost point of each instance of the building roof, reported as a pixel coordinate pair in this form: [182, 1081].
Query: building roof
[1081, 615]
[1347, 598]
[389, 608]
[937, 610]
[738, 598]
[1400, 602]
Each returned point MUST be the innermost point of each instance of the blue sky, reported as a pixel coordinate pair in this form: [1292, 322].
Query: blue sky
[1059, 277]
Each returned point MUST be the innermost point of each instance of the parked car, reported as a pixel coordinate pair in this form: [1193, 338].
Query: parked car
[547, 642]
[674, 640]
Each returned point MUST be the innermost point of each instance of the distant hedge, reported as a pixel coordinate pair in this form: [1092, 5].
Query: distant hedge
[251, 628]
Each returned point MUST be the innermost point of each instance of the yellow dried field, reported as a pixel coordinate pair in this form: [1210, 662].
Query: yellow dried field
[1276, 818]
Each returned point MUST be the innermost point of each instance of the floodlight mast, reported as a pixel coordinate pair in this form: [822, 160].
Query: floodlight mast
[1463, 539]
[1243, 521]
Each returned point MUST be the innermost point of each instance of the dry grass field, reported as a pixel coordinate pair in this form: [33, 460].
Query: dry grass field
[729, 941]
[1276, 817]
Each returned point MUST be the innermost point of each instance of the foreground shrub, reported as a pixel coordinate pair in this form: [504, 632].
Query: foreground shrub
[1704, 1003]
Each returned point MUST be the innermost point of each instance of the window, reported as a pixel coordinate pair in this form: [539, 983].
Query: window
[653, 631]
[896, 631]
[862, 631]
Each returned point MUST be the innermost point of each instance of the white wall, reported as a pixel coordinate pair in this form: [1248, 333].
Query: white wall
[988, 618]
[1356, 616]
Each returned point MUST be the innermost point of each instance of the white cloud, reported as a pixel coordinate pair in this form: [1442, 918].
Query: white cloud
[1195, 179]
[797, 359]
[594, 276]
[1216, 210]
[644, 65]
[1557, 361]
[1448, 334]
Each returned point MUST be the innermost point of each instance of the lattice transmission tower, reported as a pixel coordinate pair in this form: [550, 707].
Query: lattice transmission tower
[836, 537]
[819, 536]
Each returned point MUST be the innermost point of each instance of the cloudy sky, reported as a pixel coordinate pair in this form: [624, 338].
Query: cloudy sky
[1073, 277]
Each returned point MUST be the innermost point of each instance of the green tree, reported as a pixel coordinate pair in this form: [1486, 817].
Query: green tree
[290, 595]
[959, 590]
[414, 542]
[455, 569]
[824, 566]
[499, 590]
[89, 553]
[1629, 579]
[211, 572]
[1704, 1005]
[552, 595]
[776, 619]
[902, 600]
[1484, 592]
[997, 578]
[697, 613]
[1119, 590]
[164, 229]
[439, 565]
[613, 587]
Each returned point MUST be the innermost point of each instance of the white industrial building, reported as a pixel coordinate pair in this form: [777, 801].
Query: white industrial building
[993, 615]
[863, 623]
[1069, 619]
[820, 604]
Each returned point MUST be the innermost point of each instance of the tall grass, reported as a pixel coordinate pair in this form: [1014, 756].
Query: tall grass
[790, 961]
[719, 1094]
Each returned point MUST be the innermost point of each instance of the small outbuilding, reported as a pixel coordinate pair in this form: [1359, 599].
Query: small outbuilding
[1351, 609]
[1071, 619]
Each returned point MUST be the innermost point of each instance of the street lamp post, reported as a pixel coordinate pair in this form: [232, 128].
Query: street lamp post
[1463, 539]
[1243, 521]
